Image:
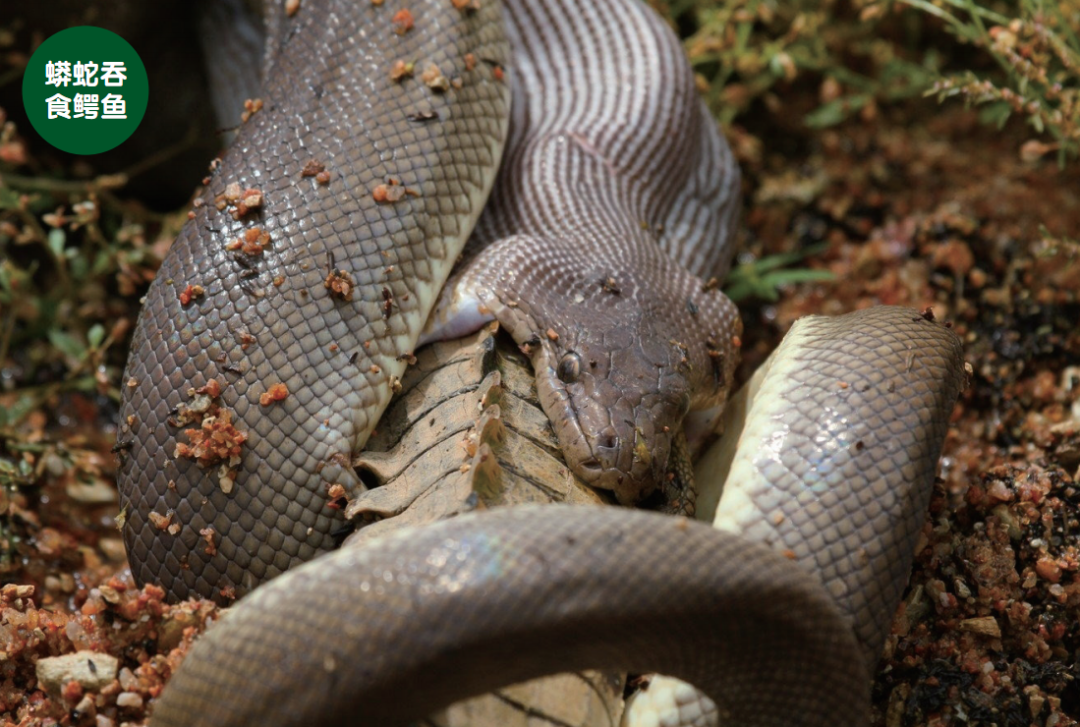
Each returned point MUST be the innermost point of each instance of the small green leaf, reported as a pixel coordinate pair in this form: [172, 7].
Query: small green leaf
[80, 266]
[833, 112]
[57, 238]
[85, 384]
[738, 291]
[9, 199]
[96, 335]
[763, 278]
[67, 344]
[102, 263]
[13, 414]
[789, 277]
[996, 113]
[783, 259]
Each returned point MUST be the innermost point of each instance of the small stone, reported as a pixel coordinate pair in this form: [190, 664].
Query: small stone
[1012, 525]
[110, 594]
[113, 549]
[1048, 570]
[13, 591]
[89, 668]
[85, 705]
[128, 680]
[434, 78]
[1035, 700]
[984, 626]
[129, 700]
[401, 70]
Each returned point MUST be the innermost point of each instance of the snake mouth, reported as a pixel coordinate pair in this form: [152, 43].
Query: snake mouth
[608, 429]
[608, 461]
[596, 459]
[591, 466]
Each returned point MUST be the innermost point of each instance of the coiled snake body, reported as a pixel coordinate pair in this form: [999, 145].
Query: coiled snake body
[614, 202]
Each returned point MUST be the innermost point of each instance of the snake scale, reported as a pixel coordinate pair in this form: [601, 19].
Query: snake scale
[289, 305]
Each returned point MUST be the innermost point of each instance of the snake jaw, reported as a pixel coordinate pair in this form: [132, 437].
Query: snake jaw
[612, 434]
[614, 388]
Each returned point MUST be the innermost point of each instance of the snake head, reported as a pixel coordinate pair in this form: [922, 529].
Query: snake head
[621, 352]
[615, 393]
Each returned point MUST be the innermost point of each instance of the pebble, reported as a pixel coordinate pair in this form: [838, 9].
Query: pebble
[89, 668]
[113, 548]
[983, 625]
[129, 700]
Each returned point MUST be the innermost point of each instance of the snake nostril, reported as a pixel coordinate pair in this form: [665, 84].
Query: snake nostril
[607, 441]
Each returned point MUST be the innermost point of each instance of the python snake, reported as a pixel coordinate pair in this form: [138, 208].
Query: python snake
[333, 222]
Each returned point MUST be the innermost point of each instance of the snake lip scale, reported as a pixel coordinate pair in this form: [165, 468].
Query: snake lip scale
[584, 217]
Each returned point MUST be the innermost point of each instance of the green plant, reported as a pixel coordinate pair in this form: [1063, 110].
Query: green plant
[72, 258]
[1039, 57]
[742, 50]
[764, 278]
[883, 51]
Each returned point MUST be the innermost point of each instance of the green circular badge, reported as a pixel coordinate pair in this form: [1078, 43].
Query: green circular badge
[85, 90]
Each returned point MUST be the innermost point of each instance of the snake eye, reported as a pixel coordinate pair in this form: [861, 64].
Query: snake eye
[569, 367]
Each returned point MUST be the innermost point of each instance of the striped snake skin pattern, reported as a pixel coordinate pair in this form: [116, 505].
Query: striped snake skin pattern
[614, 203]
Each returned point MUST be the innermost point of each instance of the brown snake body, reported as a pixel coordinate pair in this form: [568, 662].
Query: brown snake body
[614, 200]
